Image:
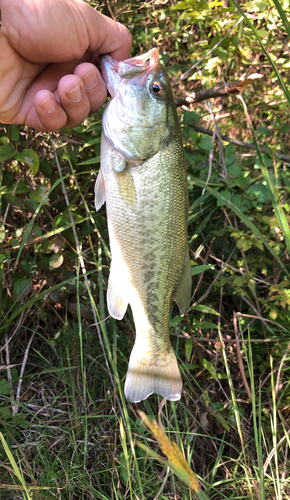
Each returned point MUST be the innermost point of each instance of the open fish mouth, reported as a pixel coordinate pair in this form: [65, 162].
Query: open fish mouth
[136, 65]
[133, 71]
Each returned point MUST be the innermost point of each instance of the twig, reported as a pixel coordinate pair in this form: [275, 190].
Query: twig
[8, 205]
[224, 173]
[16, 406]
[264, 319]
[8, 367]
[20, 322]
[273, 451]
[212, 283]
[237, 142]
[279, 372]
[257, 313]
[228, 341]
[163, 484]
[9, 374]
[240, 361]
[224, 90]
[202, 274]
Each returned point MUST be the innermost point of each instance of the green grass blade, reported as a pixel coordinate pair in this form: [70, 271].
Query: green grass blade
[14, 465]
[283, 16]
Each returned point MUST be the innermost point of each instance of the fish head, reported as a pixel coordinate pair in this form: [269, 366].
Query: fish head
[141, 116]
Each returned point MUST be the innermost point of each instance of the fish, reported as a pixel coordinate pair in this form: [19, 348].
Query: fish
[142, 179]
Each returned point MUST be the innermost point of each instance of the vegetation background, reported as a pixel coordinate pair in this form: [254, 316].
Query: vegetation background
[67, 431]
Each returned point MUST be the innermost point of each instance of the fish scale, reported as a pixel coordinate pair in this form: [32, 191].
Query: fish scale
[147, 209]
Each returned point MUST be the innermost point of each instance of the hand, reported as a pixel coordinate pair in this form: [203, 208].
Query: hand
[48, 78]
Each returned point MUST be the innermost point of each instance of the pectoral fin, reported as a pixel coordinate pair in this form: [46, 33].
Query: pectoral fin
[100, 191]
[183, 290]
[116, 294]
[127, 189]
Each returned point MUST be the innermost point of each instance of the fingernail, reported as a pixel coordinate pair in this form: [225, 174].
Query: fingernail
[90, 80]
[48, 105]
[75, 94]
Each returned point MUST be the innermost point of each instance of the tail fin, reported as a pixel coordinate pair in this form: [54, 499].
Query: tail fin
[146, 376]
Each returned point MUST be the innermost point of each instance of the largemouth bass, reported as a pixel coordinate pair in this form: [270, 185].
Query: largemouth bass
[142, 179]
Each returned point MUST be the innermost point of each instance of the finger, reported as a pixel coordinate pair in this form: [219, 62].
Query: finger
[73, 99]
[46, 114]
[94, 85]
[41, 107]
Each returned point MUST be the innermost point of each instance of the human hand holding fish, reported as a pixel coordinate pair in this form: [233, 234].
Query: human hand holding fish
[142, 179]
[48, 77]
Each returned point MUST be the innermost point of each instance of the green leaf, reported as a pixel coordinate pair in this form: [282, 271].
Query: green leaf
[206, 309]
[264, 130]
[21, 288]
[55, 261]
[176, 320]
[5, 412]
[5, 153]
[200, 269]
[188, 349]
[14, 201]
[206, 324]
[13, 133]
[4, 387]
[30, 157]
[91, 161]
[225, 195]
[21, 188]
[38, 194]
[45, 168]
[210, 368]
[205, 143]
[260, 192]
[222, 421]
[2, 233]
[238, 281]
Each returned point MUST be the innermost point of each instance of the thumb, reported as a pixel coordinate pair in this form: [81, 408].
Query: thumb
[106, 36]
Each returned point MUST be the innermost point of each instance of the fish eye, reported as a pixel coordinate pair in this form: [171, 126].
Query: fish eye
[158, 89]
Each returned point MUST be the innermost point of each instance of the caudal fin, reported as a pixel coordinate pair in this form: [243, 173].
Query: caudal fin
[145, 377]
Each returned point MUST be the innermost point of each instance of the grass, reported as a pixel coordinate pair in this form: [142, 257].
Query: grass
[67, 431]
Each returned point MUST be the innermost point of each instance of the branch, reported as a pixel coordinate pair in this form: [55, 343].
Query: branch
[224, 90]
[239, 143]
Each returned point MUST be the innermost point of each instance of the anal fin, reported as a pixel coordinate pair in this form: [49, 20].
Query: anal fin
[183, 289]
[116, 294]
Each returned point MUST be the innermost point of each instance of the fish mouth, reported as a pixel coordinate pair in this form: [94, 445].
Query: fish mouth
[133, 71]
[136, 65]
